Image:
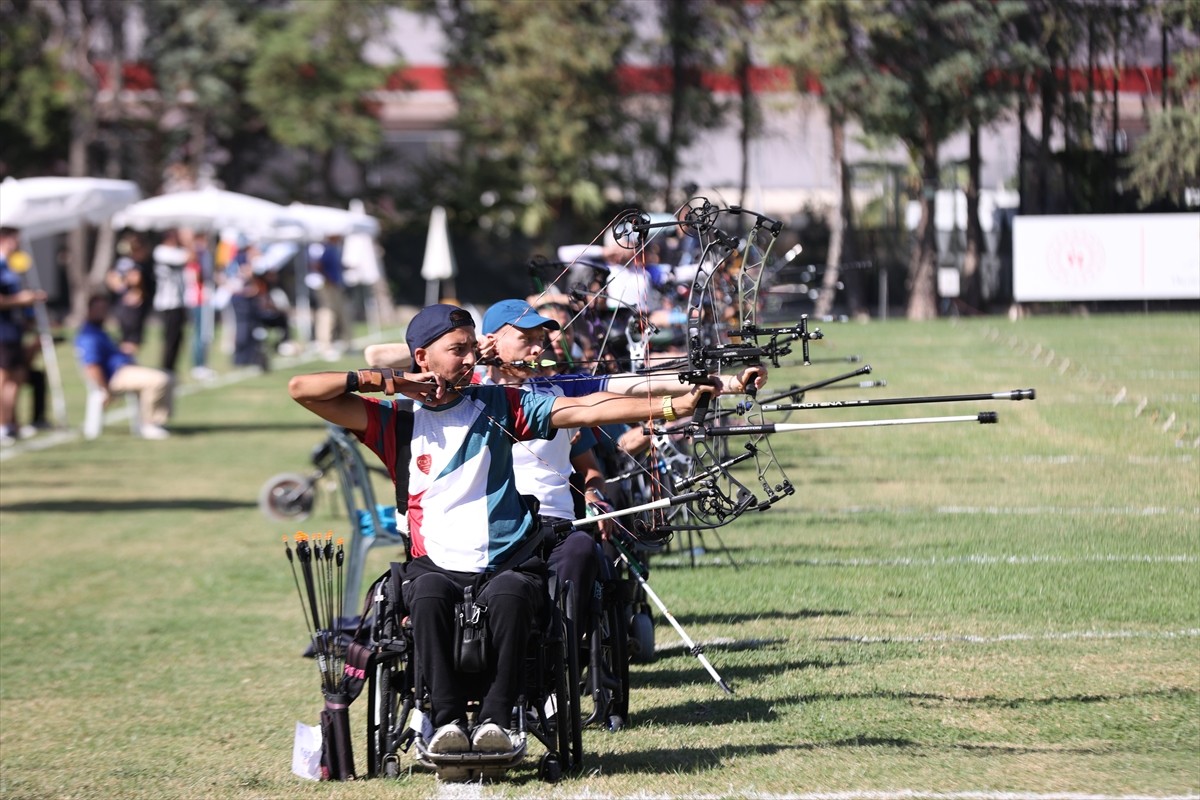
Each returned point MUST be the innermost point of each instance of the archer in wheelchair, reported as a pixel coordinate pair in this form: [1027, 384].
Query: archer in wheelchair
[474, 540]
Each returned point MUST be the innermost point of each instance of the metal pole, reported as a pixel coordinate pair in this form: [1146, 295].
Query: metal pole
[58, 400]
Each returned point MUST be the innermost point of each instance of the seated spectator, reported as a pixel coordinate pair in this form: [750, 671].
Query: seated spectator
[106, 366]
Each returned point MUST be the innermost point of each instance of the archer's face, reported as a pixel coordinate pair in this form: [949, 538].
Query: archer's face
[451, 356]
[519, 344]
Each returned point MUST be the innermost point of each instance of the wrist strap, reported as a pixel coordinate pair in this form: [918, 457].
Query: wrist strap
[668, 409]
[351, 381]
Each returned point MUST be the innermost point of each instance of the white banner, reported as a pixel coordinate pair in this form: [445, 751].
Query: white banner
[1106, 257]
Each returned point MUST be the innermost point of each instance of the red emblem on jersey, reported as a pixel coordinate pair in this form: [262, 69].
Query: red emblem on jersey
[424, 462]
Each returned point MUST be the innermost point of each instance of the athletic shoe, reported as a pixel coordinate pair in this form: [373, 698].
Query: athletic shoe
[491, 738]
[155, 432]
[449, 739]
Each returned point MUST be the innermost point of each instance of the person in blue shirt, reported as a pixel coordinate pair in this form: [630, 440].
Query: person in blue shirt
[467, 520]
[114, 371]
[15, 302]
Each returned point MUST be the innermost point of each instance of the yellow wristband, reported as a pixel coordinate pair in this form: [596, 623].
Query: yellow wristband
[668, 409]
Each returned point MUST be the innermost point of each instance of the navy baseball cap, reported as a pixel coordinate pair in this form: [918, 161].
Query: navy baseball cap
[432, 323]
[517, 313]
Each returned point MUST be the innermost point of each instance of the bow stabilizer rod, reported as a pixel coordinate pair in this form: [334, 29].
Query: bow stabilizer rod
[1014, 394]
[983, 418]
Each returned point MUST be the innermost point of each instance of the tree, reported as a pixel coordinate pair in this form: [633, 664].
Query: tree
[925, 59]
[200, 55]
[691, 42]
[1166, 162]
[36, 91]
[311, 83]
[818, 40]
[544, 128]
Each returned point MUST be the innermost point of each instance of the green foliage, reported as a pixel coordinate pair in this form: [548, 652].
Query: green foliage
[36, 92]
[200, 54]
[1167, 159]
[542, 122]
[310, 81]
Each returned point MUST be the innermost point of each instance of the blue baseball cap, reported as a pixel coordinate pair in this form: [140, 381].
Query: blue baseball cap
[433, 322]
[517, 313]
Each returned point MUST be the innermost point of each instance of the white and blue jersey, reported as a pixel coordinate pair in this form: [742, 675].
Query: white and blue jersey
[464, 509]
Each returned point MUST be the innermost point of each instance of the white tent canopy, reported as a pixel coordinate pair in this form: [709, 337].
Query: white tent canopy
[208, 209]
[42, 207]
[315, 223]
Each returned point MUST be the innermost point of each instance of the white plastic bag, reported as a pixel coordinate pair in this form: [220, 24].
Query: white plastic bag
[306, 752]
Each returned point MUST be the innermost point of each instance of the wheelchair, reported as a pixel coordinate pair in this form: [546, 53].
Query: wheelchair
[548, 708]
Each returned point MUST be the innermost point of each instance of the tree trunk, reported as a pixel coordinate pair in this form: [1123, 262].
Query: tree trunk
[922, 289]
[974, 253]
[670, 158]
[1047, 130]
[747, 111]
[83, 133]
[839, 223]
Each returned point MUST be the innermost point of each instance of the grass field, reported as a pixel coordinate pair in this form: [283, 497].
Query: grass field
[977, 611]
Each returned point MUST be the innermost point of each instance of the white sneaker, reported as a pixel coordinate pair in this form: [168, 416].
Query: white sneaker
[155, 432]
[491, 738]
[203, 373]
[449, 739]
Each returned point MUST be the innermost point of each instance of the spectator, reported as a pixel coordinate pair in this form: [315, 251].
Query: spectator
[197, 297]
[170, 259]
[131, 281]
[15, 303]
[111, 369]
[328, 278]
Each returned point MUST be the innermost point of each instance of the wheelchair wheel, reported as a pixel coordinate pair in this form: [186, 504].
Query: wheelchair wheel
[566, 687]
[641, 637]
[608, 667]
[286, 497]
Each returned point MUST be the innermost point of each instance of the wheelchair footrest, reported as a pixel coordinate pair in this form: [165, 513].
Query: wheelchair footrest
[470, 766]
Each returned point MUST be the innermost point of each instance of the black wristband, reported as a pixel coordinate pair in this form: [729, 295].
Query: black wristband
[351, 381]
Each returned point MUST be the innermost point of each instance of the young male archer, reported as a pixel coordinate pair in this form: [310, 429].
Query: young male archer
[465, 514]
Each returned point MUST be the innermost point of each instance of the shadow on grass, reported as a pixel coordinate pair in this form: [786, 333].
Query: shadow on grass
[760, 616]
[696, 760]
[253, 427]
[736, 675]
[95, 506]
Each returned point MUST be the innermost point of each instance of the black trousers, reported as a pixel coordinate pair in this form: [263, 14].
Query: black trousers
[573, 558]
[515, 600]
[173, 321]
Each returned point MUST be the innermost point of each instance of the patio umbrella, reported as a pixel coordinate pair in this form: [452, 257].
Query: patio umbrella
[41, 207]
[204, 210]
[315, 223]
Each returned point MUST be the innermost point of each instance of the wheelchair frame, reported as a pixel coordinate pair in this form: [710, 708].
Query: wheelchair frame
[291, 496]
[549, 697]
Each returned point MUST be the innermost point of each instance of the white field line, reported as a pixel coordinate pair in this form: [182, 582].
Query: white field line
[459, 791]
[1186, 633]
[1032, 458]
[971, 560]
[942, 638]
[882, 794]
[1104, 511]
